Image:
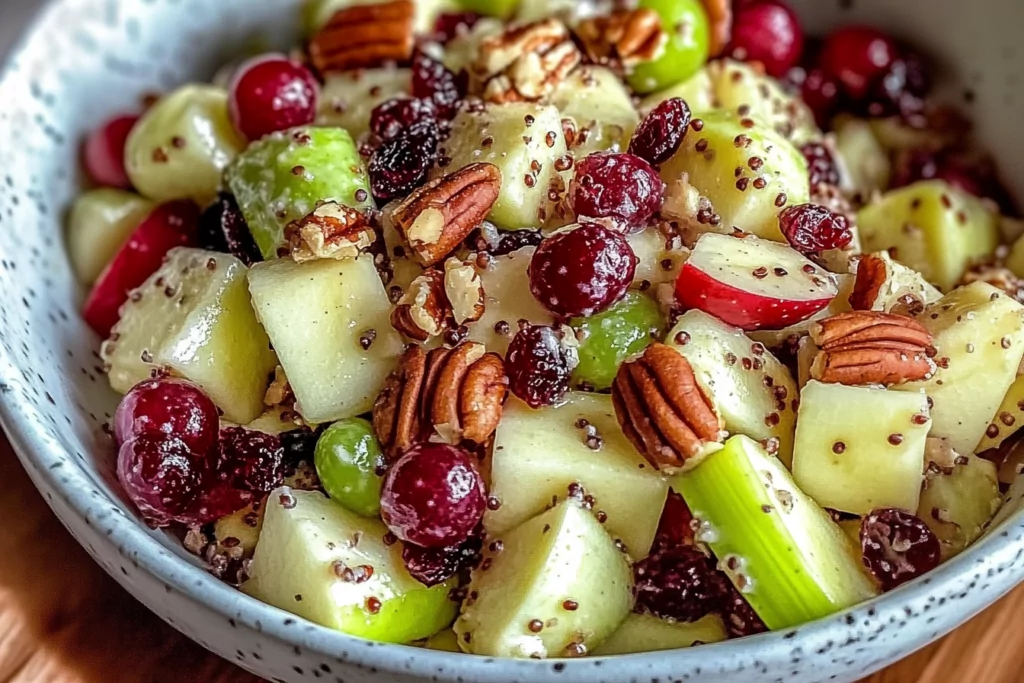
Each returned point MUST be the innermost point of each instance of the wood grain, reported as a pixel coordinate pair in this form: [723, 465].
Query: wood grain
[63, 619]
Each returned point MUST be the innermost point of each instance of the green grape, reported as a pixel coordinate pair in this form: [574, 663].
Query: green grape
[281, 178]
[614, 335]
[493, 8]
[347, 457]
[686, 23]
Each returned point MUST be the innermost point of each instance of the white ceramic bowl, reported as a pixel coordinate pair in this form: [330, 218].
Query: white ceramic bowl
[85, 59]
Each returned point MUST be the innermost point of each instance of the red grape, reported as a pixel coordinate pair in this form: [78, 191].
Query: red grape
[103, 154]
[271, 93]
[170, 406]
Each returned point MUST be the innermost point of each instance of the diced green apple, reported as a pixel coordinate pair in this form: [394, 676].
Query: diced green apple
[348, 97]
[539, 454]
[957, 505]
[787, 557]
[931, 227]
[506, 284]
[979, 342]
[181, 146]
[698, 92]
[660, 260]
[738, 84]
[860, 448]
[282, 177]
[101, 221]
[193, 317]
[609, 337]
[1009, 417]
[866, 162]
[495, 8]
[443, 641]
[320, 315]
[461, 52]
[711, 158]
[646, 633]
[306, 544]
[518, 138]
[1015, 260]
[599, 104]
[753, 392]
[518, 595]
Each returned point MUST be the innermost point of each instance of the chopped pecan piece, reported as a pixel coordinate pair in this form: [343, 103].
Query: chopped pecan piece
[279, 393]
[364, 36]
[663, 411]
[870, 347]
[423, 310]
[623, 38]
[332, 231]
[437, 217]
[465, 291]
[720, 20]
[525, 63]
[872, 273]
[453, 395]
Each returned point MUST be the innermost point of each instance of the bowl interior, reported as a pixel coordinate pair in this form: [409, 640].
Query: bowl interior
[87, 59]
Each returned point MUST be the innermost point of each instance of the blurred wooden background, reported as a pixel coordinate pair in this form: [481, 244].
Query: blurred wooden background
[63, 620]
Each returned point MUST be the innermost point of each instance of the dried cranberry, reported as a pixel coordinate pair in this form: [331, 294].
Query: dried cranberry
[901, 89]
[171, 406]
[389, 119]
[253, 460]
[676, 525]
[679, 583]
[158, 472]
[433, 566]
[217, 498]
[222, 227]
[103, 154]
[582, 271]
[401, 164]
[821, 163]
[811, 229]
[821, 93]
[857, 56]
[537, 366]
[450, 25]
[740, 618]
[432, 80]
[769, 32]
[622, 188]
[897, 546]
[271, 93]
[660, 134]
[433, 496]
[515, 240]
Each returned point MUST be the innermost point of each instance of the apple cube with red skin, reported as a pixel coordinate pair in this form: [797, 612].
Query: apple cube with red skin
[169, 225]
[752, 283]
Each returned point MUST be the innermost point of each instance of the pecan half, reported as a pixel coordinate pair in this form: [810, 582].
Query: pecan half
[663, 411]
[364, 36]
[437, 217]
[332, 231]
[623, 38]
[525, 63]
[451, 395]
[870, 347]
[423, 310]
[872, 273]
[720, 20]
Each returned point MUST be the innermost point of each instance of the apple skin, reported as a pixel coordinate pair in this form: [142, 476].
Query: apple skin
[170, 225]
[103, 153]
[740, 308]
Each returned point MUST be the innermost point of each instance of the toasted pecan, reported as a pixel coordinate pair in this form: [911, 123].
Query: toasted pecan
[623, 38]
[452, 395]
[364, 36]
[525, 62]
[720, 20]
[423, 310]
[870, 347]
[331, 231]
[871, 276]
[437, 217]
[663, 411]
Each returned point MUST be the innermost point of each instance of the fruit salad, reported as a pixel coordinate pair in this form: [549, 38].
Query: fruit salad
[536, 328]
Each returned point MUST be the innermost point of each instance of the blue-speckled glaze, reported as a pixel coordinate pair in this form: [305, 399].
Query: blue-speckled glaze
[87, 58]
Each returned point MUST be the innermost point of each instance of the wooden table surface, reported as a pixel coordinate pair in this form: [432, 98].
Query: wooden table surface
[63, 619]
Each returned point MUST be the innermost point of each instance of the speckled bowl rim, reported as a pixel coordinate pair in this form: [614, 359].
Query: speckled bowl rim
[994, 562]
